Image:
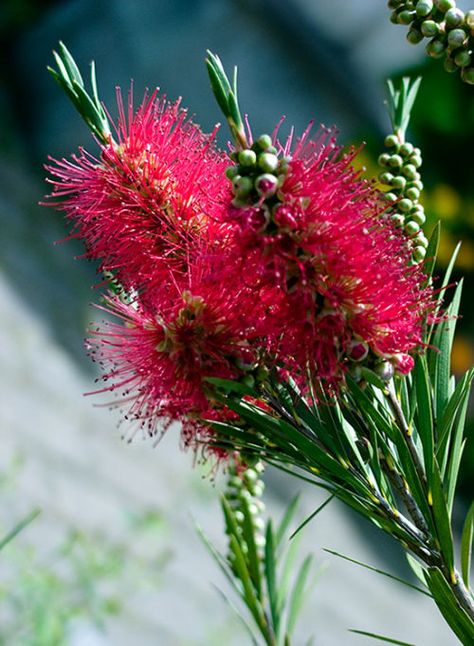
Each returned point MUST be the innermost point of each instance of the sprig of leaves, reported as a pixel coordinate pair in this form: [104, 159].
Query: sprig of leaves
[260, 568]
[89, 106]
[226, 96]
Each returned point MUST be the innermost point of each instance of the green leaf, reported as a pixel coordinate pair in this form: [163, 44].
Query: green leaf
[446, 601]
[311, 516]
[232, 387]
[248, 534]
[297, 597]
[240, 616]
[19, 527]
[442, 519]
[381, 638]
[378, 571]
[285, 521]
[448, 419]
[432, 251]
[424, 414]
[270, 576]
[242, 572]
[466, 546]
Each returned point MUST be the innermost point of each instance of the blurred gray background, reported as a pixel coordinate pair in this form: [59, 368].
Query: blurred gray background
[309, 59]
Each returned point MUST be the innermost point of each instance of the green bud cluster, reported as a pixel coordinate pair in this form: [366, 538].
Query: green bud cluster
[400, 173]
[450, 30]
[243, 493]
[258, 172]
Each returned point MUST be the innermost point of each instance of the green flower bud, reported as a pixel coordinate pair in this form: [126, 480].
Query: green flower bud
[383, 159]
[435, 48]
[390, 197]
[409, 171]
[395, 161]
[394, 4]
[399, 182]
[264, 142]
[414, 36]
[412, 193]
[456, 38]
[421, 240]
[454, 17]
[231, 172]
[424, 8]
[463, 58]
[444, 5]
[398, 220]
[242, 186]
[416, 161]
[268, 162]
[385, 370]
[469, 19]
[386, 177]
[247, 157]
[406, 149]
[419, 217]
[406, 17]
[411, 228]
[450, 65]
[394, 17]
[391, 141]
[467, 75]
[429, 28]
[419, 254]
[405, 205]
[417, 184]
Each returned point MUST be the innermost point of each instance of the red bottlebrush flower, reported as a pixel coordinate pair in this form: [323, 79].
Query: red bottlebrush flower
[140, 206]
[344, 288]
[157, 360]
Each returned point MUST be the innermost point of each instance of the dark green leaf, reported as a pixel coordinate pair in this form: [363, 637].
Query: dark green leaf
[378, 571]
[298, 596]
[442, 520]
[248, 535]
[19, 527]
[424, 414]
[381, 638]
[311, 516]
[466, 545]
[270, 576]
[446, 601]
[285, 521]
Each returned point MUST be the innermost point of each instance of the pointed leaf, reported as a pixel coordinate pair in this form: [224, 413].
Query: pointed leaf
[297, 597]
[466, 546]
[19, 527]
[380, 638]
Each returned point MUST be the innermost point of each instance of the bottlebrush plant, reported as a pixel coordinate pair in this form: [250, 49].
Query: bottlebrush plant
[282, 309]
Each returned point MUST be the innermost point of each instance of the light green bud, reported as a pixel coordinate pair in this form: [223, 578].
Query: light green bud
[444, 5]
[406, 149]
[406, 17]
[398, 220]
[429, 28]
[469, 19]
[419, 217]
[385, 370]
[424, 8]
[231, 172]
[463, 59]
[414, 36]
[456, 37]
[247, 157]
[395, 161]
[405, 205]
[419, 254]
[411, 228]
[467, 75]
[412, 193]
[268, 162]
[386, 177]
[391, 141]
[409, 171]
[264, 142]
[454, 17]
[435, 48]
[383, 159]
[399, 182]
[390, 197]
